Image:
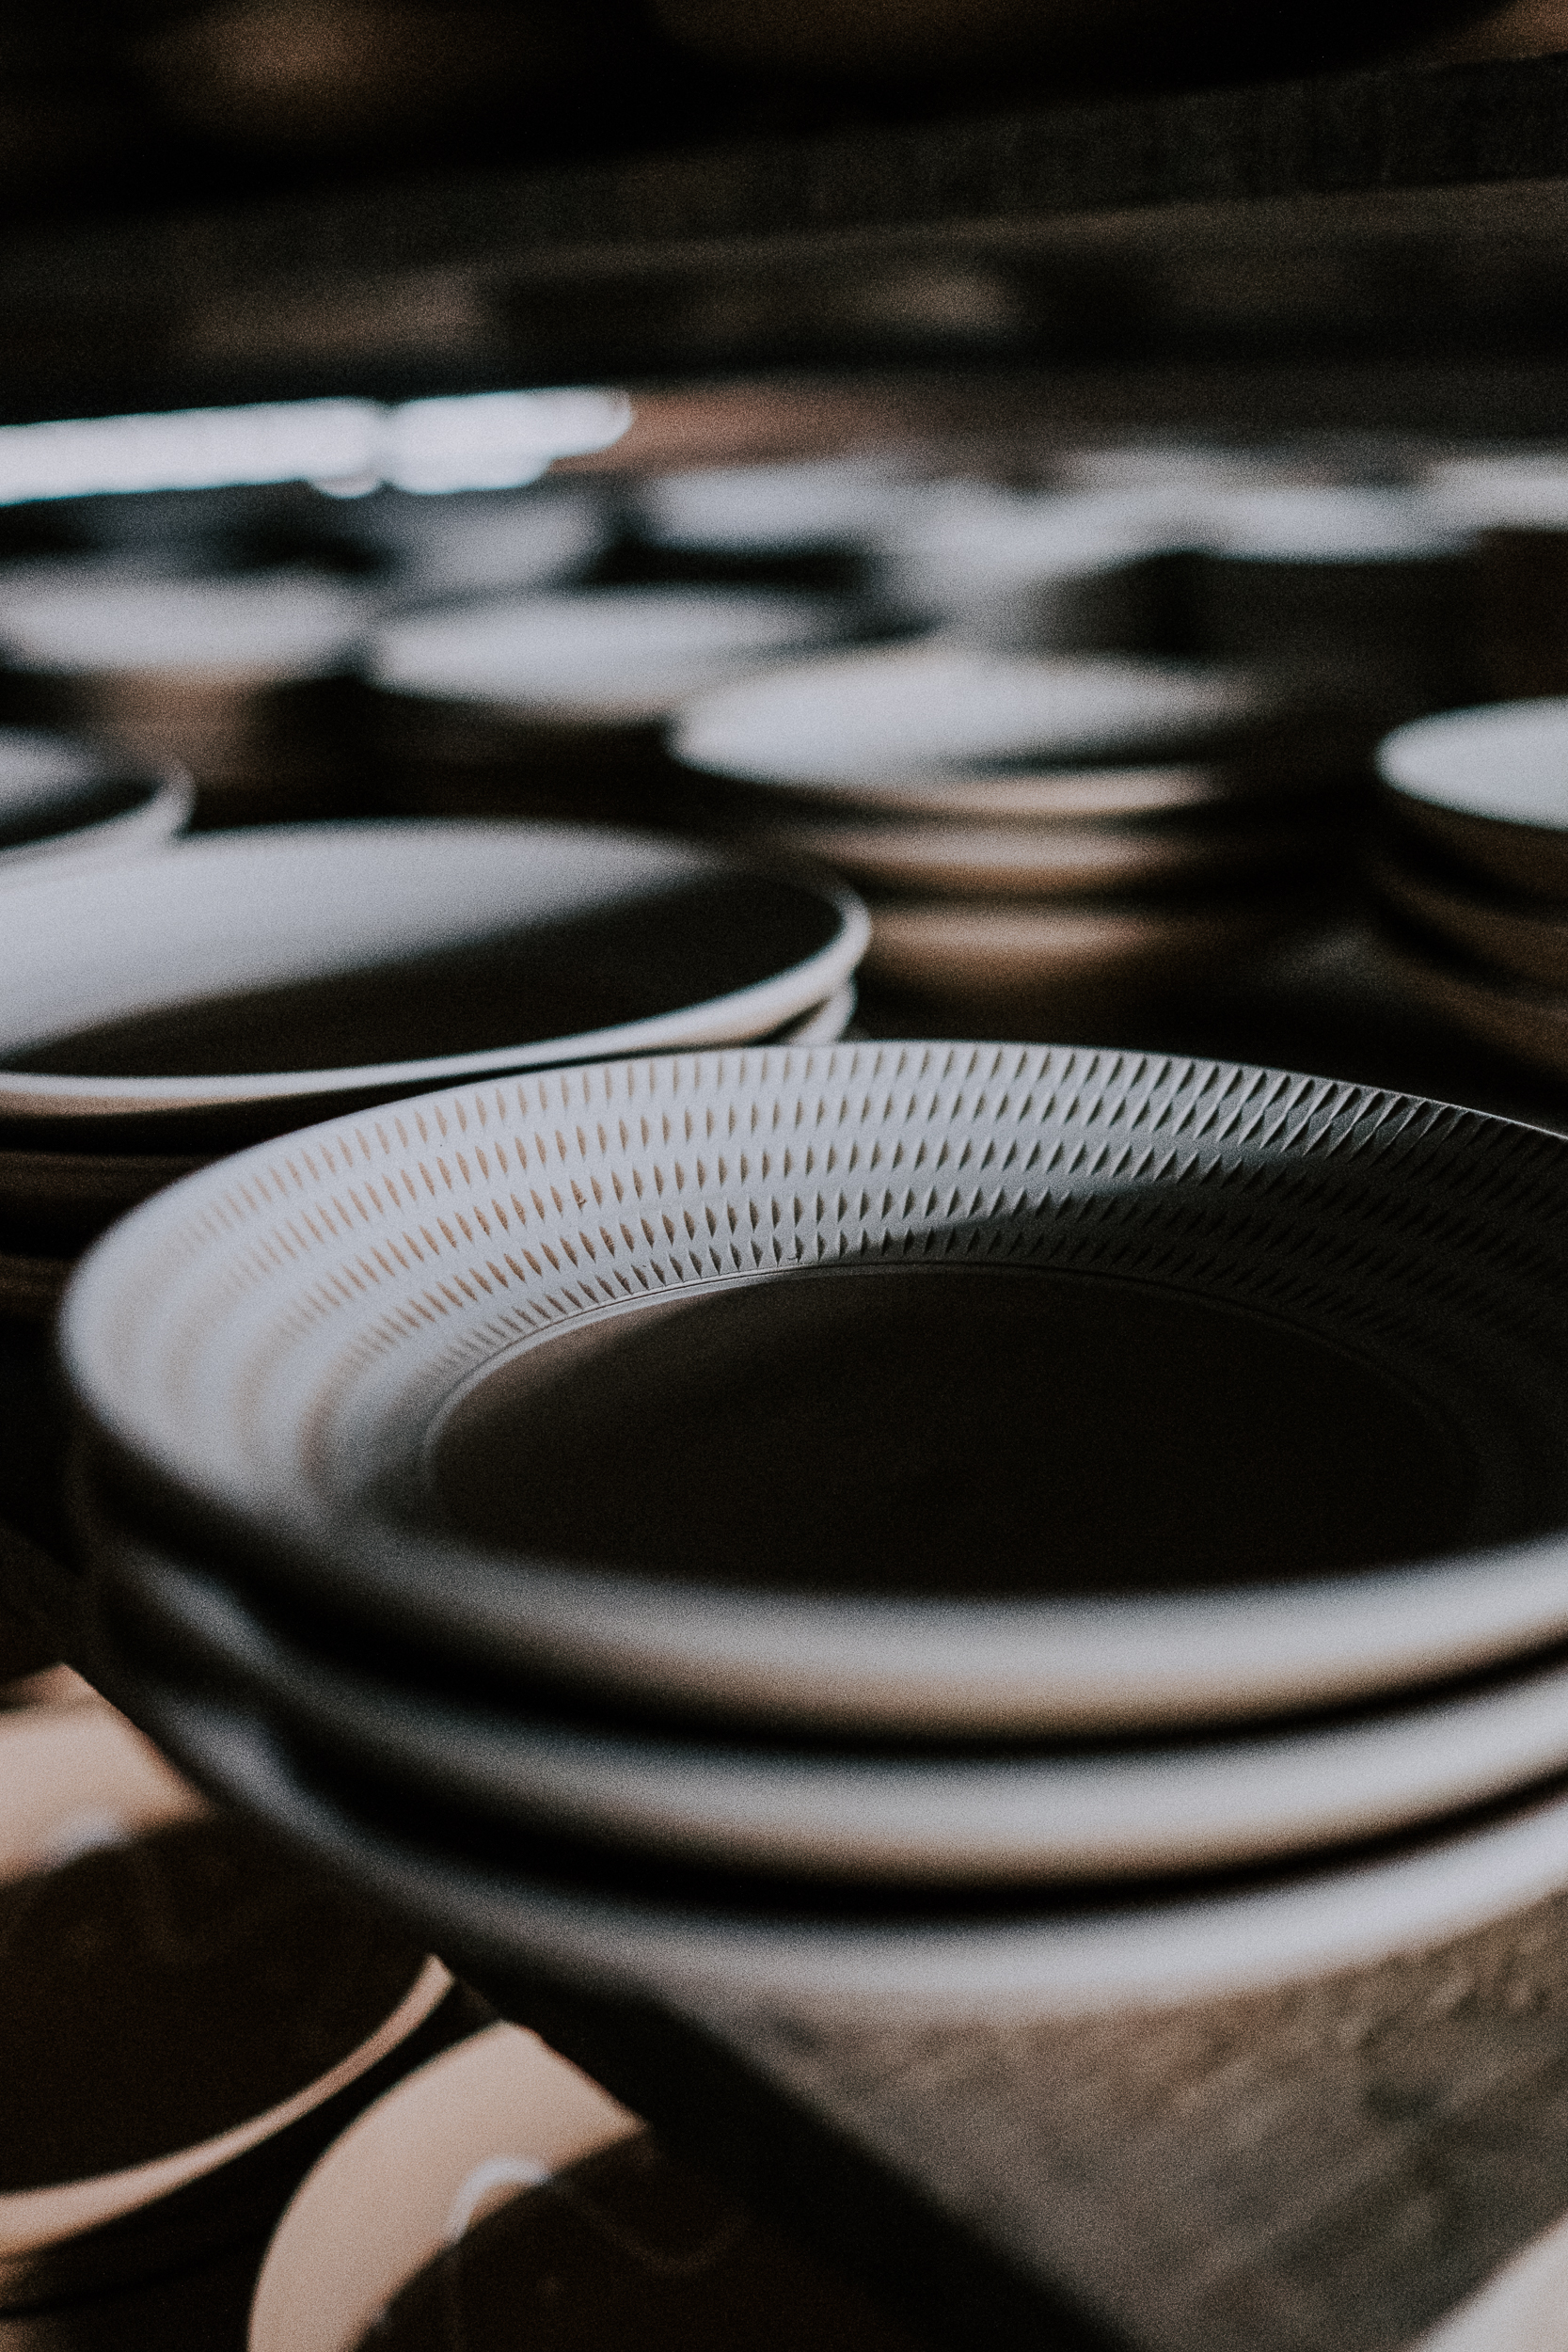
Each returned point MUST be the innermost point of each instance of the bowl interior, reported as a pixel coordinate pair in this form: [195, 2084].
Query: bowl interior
[956, 1432]
[351, 946]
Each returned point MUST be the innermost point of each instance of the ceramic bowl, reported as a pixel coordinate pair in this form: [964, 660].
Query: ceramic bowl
[501, 2113]
[1364, 596]
[792, 509]
[64, 803]
[865, 721]
[114, 1862]
[500, 2197]
[1003, 861]
[593, 657]
[1068, 959]
[175, 668]
[477, 543]
[1491, 787]
[516, 1917]
[253, 976]
[975, 1391]
[1029, 571]
[832, 1816]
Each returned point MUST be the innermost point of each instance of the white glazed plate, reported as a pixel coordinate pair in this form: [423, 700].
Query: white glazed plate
[988, 1394]
[378, 956]
[1492, 786]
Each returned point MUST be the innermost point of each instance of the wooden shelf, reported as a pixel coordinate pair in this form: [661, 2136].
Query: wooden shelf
[1384, 248]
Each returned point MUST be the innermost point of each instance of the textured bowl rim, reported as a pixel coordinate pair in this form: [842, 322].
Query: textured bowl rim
[137, 1309]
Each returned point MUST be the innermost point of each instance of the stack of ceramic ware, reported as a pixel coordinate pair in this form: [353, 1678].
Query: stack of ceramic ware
[835, 507]
[1021, 570]
[250, 980]
[1051, 834]
[555, 703]
[1363, 598]
[499, 2190]
[476, 544]
[1472, 872]
[1519, 504]
[188, 2021]
[237, 679]
[852, 1524]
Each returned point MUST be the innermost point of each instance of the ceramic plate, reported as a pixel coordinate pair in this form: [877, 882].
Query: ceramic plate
[253, 975]
[1528, 941]
[1492, 786]
[1061, 956]
[1516, 1018]
[1048, 861]
[515, 1925]
[64, 803]
[859, 721]
[498, 2113]
[972, 1391]
[838, 1816]
[242, 630]
[594, 655]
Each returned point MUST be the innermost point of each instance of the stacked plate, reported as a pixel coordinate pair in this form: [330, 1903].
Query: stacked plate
[237, 679]
[1051, 834]
[249, 981]
[1472, 876]
[475, 543]
[555, 703]
[1023, 570]
[1364, 598]
[854, 1525]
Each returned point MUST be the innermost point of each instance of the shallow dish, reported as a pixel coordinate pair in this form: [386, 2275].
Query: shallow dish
[1492, 786]
[501, 2113]
[865, 721]
[1048, 861]
[842, 1818]
[252, 977]
[876, 1274]
[1528, 941]
[606, 656]
[198, 670]
[1068, 957]
[66, 803]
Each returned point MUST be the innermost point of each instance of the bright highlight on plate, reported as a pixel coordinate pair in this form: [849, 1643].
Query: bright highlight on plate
[472, 441]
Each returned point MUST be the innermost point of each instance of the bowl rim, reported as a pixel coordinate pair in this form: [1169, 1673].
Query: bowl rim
[994, 1668]
[743, 1013]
